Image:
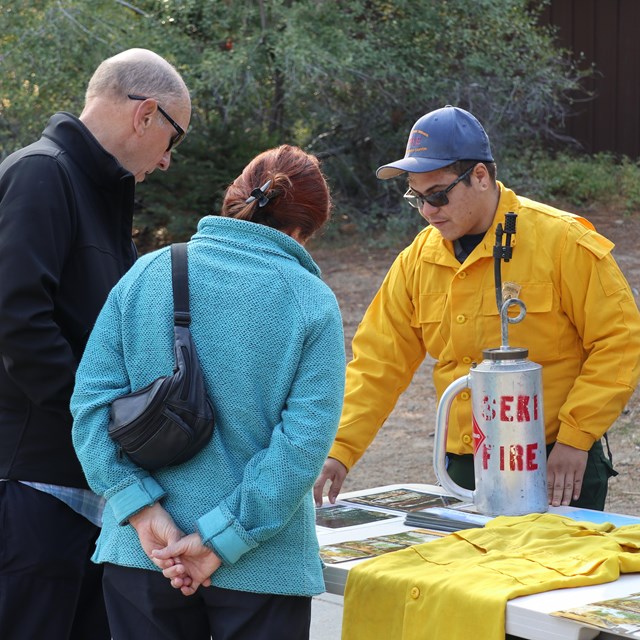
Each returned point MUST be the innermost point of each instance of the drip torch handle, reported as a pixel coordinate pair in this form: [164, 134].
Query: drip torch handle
[497, 256]
[502, 252]
[509, 230]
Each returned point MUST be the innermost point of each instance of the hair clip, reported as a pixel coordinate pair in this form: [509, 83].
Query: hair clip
[260, 194]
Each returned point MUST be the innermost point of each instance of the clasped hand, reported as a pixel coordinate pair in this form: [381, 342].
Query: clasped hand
[184, 560]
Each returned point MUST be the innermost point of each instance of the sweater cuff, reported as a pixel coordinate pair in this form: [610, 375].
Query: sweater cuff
[142, 493]
[224, 535]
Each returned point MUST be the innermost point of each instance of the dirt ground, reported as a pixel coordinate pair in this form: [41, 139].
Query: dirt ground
[403, 449]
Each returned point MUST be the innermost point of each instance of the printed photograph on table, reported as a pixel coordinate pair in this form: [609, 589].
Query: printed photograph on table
[620, 615]
[336, 553]
[375, 546]
[338, 516]
[414, 536]
[403, 500]
[445, 519]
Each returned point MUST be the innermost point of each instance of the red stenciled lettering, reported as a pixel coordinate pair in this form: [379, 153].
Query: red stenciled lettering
[486, 455]
[523, 409]
[505, 408]
[516, 453]
[521, 457]
[532, 453]
[488, 412]
[521, 412]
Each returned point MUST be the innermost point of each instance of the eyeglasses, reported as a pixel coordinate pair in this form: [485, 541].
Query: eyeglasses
[436, 199]
[181, 133]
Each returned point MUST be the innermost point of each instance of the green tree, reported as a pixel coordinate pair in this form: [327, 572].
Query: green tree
[343, 78]
[346, 78]
[48, 49]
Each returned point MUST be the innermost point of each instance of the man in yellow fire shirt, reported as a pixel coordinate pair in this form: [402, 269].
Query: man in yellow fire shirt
[582, 323]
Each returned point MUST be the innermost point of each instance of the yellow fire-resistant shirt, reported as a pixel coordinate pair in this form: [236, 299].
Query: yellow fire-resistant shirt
[582, 325]
[457, 587]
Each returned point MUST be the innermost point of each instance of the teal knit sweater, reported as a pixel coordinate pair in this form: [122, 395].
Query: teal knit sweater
[268, 334]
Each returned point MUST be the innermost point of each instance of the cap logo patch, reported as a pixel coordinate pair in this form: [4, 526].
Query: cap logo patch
[417, 140]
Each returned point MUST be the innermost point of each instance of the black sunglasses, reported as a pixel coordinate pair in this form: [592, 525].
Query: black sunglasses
[437, 199]
[181, 133]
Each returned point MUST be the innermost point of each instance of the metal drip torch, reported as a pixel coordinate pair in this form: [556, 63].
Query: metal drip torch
[510, 464]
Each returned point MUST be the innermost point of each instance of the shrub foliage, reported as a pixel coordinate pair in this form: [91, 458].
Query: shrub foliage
[344, 79]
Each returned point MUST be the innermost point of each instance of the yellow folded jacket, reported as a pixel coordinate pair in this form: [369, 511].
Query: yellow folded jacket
[457, 587]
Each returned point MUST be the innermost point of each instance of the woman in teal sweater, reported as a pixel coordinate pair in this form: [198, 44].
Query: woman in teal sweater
[238, 516]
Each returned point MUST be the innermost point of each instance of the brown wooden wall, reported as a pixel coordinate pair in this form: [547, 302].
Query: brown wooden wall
[608, 33]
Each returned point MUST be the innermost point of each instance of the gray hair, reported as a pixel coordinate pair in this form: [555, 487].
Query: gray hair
[136, 71]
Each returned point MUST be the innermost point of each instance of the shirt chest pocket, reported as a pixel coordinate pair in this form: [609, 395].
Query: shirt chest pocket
[430, 317]
[541, 327]
[537, 297]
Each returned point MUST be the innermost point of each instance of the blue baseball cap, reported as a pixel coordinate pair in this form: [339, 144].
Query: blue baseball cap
[438, 139]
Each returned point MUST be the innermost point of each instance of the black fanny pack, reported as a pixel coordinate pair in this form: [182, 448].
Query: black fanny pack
[170, 420]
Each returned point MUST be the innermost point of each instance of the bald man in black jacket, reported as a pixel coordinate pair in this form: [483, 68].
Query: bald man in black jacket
[66, 208]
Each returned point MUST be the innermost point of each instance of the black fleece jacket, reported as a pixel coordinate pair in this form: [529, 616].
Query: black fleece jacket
[66, 209]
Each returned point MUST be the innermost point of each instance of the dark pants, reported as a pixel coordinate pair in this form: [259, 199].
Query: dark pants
[594, 485]
[142, 605]
[49, 588]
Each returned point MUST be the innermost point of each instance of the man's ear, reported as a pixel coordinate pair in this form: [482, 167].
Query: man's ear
[144, 114]
[481, 174]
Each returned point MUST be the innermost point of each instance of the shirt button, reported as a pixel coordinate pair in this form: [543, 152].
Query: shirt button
[461, 319]
[466, 439]
[462, 275]
[466, 360]
[415, 593]
[464, 395]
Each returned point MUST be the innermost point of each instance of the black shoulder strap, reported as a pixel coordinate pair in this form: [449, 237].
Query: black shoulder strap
[180, 281]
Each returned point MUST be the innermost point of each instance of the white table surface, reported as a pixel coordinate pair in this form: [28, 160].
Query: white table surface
[527, 616]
